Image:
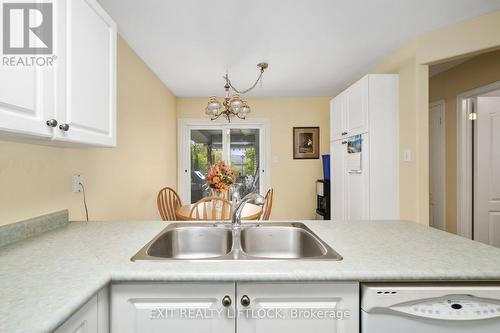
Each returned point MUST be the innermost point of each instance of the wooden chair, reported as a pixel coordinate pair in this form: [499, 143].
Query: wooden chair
[206, 209]
[268, 205]
[168, 201]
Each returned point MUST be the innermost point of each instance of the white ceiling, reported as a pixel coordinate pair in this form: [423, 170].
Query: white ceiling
[314, 47]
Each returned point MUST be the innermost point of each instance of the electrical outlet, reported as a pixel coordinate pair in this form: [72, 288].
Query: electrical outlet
[76, 180]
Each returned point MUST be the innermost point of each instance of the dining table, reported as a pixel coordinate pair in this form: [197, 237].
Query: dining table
[249, 212]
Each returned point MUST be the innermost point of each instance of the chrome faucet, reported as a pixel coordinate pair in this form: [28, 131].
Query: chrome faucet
[254, 198]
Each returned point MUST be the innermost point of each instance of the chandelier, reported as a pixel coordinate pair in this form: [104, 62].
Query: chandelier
[233, 105]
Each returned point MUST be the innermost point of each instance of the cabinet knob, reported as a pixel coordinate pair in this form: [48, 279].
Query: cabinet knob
[51, 123]
[64, 127]
[226, 301]
[245, 300]
[344, 133]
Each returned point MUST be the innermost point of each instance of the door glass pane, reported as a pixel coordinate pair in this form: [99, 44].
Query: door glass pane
[206, 149]
[245, 159]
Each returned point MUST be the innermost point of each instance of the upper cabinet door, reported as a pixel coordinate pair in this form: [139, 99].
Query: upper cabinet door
[26, 101]
[294, 307]
[356, 117]
[337, 108]
[88, 108]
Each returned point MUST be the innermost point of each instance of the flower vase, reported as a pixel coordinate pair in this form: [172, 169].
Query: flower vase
[218, 203]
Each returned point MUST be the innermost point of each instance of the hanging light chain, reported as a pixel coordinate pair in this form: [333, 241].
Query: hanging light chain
[242, 92]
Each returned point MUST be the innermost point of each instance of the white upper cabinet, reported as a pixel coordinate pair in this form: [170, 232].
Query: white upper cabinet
[356, 115]
[337, 126]
[87, 111]
[26, 101]
[349, 111]
[74, 99]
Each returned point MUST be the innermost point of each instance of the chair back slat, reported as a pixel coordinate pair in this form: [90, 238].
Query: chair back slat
[168, 202]
[268, 205]
[206, 209]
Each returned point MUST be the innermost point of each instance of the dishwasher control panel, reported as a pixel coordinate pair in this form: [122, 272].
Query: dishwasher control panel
[455, 307]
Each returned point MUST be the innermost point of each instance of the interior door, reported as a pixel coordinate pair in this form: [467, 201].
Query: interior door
[172, 307]
[337, 171]
[436, 165]
[487, 171]
[294, 308]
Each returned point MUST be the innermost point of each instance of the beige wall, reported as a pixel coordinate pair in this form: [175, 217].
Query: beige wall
[476, 72]
[293, 180]
[411, 62]
[121, 183]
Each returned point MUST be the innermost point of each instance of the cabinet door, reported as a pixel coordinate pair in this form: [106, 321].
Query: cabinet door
[298, 307]
[357, 107]
[357, 186]
[89, 104]
[338, 151]
[83, 321]
[337, 125]
[26, 100]
[173, 307]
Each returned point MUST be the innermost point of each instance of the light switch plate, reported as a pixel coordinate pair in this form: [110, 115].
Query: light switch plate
[407, 155]
[75, 183]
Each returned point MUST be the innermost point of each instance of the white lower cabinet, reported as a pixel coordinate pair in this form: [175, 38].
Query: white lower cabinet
[298, 307]
[92, 317]
[235, 307]
[173, 307]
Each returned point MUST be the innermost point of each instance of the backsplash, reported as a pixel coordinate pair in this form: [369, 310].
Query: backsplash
[22, 230]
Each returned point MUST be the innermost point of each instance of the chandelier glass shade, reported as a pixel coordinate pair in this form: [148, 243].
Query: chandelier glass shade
[232, 105]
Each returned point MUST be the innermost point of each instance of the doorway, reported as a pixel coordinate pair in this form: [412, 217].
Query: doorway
[244, 145]
[479, 164]
[437, 165]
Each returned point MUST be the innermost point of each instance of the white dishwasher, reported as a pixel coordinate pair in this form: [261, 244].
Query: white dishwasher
[430, 308]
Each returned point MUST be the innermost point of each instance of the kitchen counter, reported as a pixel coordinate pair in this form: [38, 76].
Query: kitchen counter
[46, 278]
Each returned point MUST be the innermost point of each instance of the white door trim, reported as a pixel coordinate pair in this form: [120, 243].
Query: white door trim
[183, 155]
[442, 103]
[464, 159]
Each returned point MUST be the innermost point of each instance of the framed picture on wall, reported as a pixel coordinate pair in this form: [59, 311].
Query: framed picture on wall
[305, 143]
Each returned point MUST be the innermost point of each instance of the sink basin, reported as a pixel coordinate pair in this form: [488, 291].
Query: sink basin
[189, 242]
[252, 241]
[281, 242]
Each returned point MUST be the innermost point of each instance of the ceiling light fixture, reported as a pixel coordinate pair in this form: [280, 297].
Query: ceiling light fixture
[233, 105]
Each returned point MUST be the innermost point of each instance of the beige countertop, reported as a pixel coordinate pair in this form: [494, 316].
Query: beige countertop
[46, 278]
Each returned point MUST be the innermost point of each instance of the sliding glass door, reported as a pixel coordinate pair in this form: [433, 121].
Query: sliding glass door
[244, 154]
[206, 149]
[241, 145]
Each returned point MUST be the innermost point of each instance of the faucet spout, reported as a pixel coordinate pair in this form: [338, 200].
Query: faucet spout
[254, 198]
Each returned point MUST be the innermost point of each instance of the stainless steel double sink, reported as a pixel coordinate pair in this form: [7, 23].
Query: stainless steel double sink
[250, 241]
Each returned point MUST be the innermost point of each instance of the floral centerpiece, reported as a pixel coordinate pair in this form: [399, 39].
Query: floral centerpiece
[220, 177]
